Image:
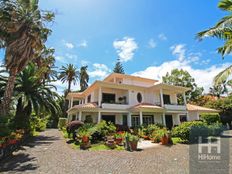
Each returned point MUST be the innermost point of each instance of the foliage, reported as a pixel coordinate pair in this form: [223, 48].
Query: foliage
[118, 67]
[38, 123]
[131, 137]
[4, 128]
[210, 118]
[62, 123]
[183, 78]
[105, 128]
[183, 130]
[69, 74]
[84, 78]
[222, 30]
[88, 119]
[218, 90]
[21, 22]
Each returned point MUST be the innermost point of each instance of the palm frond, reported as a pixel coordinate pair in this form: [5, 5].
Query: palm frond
[223, 75]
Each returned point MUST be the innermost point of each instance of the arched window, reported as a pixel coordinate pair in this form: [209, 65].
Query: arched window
[139, 97]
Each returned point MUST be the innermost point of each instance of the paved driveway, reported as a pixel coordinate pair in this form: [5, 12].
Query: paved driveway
[49, 153]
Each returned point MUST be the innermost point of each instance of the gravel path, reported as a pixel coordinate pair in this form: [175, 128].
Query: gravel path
[49, 153]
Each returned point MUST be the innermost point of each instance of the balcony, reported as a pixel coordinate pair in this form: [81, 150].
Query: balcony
[116, 106]
[175, 107]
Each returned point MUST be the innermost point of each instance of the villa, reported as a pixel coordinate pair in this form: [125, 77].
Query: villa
[132, 101]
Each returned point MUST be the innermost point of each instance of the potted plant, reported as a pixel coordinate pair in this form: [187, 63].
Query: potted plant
[163, 134]
[131, 142]
[119, 138]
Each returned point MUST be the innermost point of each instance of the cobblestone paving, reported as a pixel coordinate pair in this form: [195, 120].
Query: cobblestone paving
[49, 154]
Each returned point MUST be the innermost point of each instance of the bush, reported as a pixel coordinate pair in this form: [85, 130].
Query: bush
[62, 123]
[37, 123]
[210, 118]
[4, 128]
[183, 130]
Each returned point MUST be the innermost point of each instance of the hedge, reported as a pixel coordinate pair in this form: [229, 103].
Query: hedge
[210, 118]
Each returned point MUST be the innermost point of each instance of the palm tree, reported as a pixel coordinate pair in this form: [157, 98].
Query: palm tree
[31, 95]
[222, 30]
[69, 74]
[22, 34]
[84, 78]
[218, 90]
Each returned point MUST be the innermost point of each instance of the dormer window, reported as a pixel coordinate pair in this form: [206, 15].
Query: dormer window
[139, 97]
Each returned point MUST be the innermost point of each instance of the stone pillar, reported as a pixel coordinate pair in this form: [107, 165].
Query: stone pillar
[99, 117]
[99, 96]
[164, 121]
[185, 102]
[141, 117]
[71, 105]
[161, 98]
[129, 120]
[80, 115]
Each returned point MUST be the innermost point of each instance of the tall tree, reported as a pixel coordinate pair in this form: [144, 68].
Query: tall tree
[223, 31]
[183, 78]
[84, 78]
[69, 74]
[22, 34]
[32, 95]
[218, 90]
[118, 67]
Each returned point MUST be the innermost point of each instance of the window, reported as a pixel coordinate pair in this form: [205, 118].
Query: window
[77, 102]
[148, 120]
[139, 97]
[89, 99]
[135, 121]
[166, 99]
[124, 120]
[183, 118]
[108, 98]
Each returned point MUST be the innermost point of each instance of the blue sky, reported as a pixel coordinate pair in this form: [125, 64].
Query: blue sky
[150, 37]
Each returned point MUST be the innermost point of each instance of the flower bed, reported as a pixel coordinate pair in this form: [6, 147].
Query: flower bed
[9, 144]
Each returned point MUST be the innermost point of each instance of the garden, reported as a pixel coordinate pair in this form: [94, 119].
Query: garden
[107, 136]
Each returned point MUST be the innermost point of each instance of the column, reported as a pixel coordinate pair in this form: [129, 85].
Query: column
[77, 116]
[71, 105]
[154, 118]
[129, 119]
[141, 117]
[80, 115]
[99, 96]
[99, 117]
[161, 98]
[164, 121]
[185, 102]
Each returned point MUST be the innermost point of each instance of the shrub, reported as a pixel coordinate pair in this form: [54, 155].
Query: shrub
[62, 123]
[210, 118]
[105, 128]
[4, 128]
[183, 130]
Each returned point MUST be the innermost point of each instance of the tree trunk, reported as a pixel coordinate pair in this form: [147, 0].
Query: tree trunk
[5, 103]
[69, 86]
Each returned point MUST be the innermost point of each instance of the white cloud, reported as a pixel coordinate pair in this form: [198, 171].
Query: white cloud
[60, 58]
[99, 70]
[61, 87]
[69, 45]
[162, 36]
[71, 56]
[203, 77]
[152, 43]
[179, 51]
[83, 44]
[125, 48]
